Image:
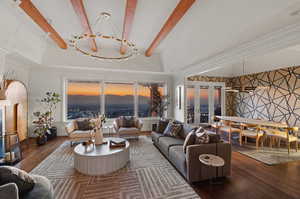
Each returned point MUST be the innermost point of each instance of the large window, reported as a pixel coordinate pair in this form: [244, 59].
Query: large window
[87, 99]
[150, 96]
[83, 99]
[119, 100]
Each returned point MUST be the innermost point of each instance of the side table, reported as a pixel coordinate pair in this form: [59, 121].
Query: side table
[213, 161]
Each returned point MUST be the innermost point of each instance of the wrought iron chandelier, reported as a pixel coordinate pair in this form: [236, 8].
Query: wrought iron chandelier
[78, 42]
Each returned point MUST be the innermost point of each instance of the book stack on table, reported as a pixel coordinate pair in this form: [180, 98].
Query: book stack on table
[117, 144]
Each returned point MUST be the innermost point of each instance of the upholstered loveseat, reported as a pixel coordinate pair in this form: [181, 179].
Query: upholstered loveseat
[188, 163]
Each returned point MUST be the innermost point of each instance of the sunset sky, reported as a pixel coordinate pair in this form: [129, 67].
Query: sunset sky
[93, 89]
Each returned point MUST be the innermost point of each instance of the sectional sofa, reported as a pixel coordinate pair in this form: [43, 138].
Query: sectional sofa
[188, 163]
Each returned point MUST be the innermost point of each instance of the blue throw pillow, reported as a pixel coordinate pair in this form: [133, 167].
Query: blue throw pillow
[173, 129]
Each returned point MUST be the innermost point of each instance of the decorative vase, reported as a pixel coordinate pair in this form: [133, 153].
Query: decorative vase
[98, 137]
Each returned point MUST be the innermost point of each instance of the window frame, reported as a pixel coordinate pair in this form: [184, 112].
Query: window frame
[102, 96]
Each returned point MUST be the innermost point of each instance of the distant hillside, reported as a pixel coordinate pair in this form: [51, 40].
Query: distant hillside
[112, 99]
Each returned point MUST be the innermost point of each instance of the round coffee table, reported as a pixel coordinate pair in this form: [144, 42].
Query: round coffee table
[101, 159]
[213, 161]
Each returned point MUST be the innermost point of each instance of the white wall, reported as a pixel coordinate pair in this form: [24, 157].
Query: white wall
[52, 79]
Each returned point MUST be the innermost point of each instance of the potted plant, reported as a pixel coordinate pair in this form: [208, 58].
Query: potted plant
[42, 127]
[50, 101]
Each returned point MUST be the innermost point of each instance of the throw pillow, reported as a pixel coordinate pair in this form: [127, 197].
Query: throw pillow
[83, 124]
[128, 122]
[162, 125]
[23, 180]
[201, 137]
[189, 140]
[173, 129]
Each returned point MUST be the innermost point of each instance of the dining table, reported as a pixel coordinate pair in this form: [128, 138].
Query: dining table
[258, 122]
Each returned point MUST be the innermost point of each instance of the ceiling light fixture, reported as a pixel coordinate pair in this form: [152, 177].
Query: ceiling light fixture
[81, 40]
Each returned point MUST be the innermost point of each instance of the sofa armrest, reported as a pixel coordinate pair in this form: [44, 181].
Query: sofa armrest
[116, 126]
[139, 124]
[9, 190]
[196, 171]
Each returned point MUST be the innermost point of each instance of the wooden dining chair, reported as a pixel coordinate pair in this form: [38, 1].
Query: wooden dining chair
[229, 128]
[289, 136]
[251, 131]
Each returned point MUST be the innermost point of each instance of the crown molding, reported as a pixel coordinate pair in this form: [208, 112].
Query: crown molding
[277, 40]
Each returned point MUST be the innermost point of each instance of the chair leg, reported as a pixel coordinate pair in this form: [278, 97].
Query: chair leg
[229, 137]
[241, 139]
[246, 140]
[279, 143]
[257, 143]
[71, 143]
[289, 147]
[296, 146]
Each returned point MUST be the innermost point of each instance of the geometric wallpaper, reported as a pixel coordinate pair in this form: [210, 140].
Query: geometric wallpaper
[277, 97]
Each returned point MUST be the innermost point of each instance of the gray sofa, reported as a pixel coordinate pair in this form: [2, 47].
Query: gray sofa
[188, 163]
[42, 190]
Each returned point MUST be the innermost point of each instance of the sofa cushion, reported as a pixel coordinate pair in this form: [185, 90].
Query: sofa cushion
[80, 134]
[173, 129]
[155, 136]
[162, 125]
[165, 143]
[178, 158]
[22, 179]
[189, 140]
[185, 130]
[128, 131]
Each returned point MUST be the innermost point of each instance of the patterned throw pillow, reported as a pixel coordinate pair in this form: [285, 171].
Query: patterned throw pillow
[173, 129]
[189, 140]
[201, 136]
[162, 125]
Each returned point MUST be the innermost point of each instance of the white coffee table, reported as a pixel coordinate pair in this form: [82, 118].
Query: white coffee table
[100, 160]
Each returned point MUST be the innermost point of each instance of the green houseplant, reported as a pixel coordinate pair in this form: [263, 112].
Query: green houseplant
[50, 102]
[42, 127]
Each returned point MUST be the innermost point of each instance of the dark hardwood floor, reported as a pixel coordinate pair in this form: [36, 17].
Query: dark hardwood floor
[250, 179]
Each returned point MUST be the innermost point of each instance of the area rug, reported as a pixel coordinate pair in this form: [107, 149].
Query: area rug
[148, 175]
[267, 155]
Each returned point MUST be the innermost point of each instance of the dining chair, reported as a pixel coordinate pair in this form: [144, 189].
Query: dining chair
[229, 128]
[289, 136]
[216, 124]
[251, 131]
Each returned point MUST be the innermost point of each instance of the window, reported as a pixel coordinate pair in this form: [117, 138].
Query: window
[83, 99]
[190, 92]
[119, 99]
[88, 99]
[149, 96]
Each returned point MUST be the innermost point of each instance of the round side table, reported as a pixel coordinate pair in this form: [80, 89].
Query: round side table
[213, 161]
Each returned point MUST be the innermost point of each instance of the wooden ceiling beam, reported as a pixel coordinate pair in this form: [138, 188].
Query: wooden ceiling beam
[180, 10]
[39, 19]
[128, 20]
[81, 13]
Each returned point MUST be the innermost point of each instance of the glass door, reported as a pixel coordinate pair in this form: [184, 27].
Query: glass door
[190, 104]
[204, 100]
[204, 104]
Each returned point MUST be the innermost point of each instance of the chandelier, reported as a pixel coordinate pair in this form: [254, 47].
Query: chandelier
[80, 42]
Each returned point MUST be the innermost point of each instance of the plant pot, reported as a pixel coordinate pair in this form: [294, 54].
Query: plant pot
[52, 134]
[41, 140]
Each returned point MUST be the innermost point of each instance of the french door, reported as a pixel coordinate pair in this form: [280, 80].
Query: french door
[203, 101]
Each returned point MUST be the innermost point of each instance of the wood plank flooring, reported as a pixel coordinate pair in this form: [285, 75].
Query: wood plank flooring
[250, 179]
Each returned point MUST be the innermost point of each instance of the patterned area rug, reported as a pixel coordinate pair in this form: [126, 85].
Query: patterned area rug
[267, 155]
[148, 175]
